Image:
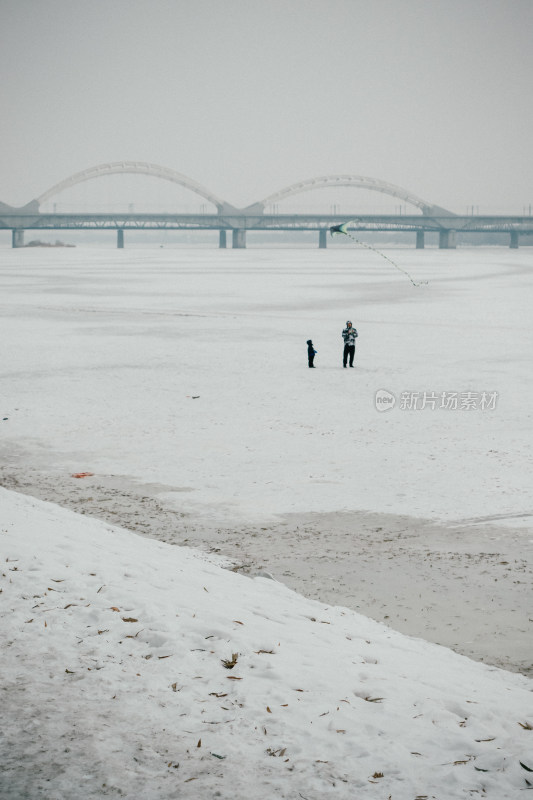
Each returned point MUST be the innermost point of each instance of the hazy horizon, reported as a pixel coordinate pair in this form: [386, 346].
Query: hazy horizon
[247, 97]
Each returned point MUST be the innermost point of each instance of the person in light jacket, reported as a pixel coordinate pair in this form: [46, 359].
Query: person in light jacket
[349, 335]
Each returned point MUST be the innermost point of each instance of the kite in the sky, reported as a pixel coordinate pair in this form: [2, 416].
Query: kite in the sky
[343, 229]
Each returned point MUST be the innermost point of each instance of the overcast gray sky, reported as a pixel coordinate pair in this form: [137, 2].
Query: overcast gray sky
[248, 96]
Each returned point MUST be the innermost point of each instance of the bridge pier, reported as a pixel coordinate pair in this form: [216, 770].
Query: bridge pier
[420, 243]
[515, 237]
[239, 238]
[447, 240]
[17, 237]
[222, 240]
[120, 238]
[322, 238]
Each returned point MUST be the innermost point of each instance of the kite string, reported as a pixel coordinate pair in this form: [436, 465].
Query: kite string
[394, 264]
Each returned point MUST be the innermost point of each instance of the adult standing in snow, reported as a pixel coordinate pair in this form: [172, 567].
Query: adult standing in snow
[349, 335]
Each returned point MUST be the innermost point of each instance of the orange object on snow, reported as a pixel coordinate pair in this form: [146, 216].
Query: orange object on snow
[82, 474]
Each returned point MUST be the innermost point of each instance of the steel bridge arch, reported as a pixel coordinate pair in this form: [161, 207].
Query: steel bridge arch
[137, 168]
[356, 181]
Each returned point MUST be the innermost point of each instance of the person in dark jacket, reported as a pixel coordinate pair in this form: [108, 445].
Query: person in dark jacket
[349, 335]
[310, 353]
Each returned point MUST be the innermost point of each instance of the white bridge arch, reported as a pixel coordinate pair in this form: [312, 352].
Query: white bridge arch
[136, 168]
[167, 174]
[355, 181]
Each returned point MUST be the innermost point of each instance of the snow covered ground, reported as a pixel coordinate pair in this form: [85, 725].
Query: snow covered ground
[179, 379]
[132, 668]
[103, 353]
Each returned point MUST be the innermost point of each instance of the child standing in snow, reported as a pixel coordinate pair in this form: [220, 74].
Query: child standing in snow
[310, 353]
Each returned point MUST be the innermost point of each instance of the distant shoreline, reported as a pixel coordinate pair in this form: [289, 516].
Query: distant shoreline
[38, 243]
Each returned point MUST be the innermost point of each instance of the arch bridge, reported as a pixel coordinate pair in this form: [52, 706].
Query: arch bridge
[350, 181]
[133, 168]
[228, 218]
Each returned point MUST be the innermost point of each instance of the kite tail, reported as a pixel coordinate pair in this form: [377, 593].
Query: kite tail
[343, 229]
[394, 264]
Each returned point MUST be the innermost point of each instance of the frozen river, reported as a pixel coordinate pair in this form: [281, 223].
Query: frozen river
[179, 379]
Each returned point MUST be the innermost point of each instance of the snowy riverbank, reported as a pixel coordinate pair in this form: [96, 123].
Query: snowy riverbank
[114, 684]
[179, 380]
